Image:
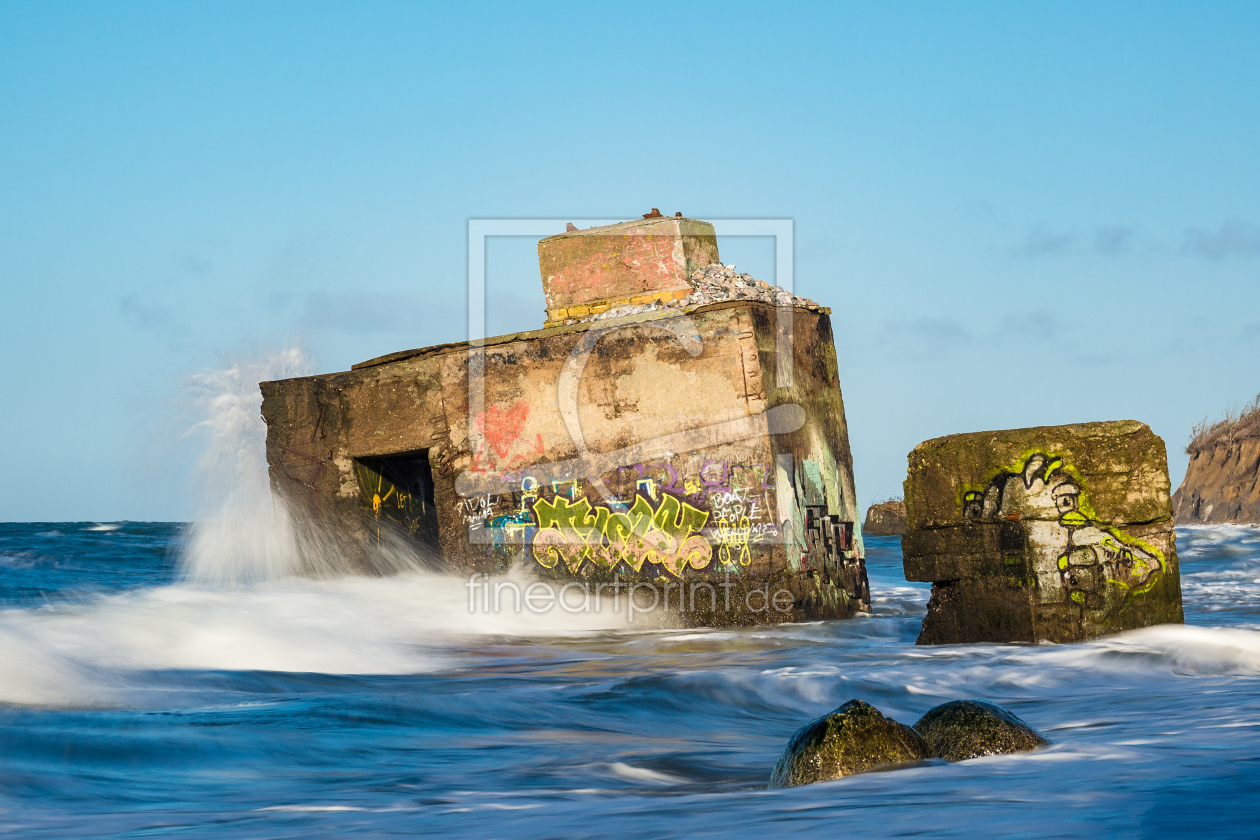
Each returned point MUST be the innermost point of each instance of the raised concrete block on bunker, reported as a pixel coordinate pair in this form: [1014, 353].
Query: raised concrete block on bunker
[1054, 533]
[589, 271]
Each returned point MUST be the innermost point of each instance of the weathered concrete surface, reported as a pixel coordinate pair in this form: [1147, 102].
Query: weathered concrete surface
[855, 738]
[1056, 533]
[964, 729]
[660, 451]
[586, 272]
[1222, 484]
[886, 519]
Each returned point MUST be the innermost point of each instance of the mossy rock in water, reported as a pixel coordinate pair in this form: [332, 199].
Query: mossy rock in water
[963, 729]
[854, 738]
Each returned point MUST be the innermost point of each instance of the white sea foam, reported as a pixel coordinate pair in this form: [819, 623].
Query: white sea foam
[241, 534]
[948, 672]
[1168, 648]
[32, 674]
[643, 775]
[1155, 653]
[899, 600]
[95, 651]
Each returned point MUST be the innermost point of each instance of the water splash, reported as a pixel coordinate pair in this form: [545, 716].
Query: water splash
[241, 534]
[244, 534]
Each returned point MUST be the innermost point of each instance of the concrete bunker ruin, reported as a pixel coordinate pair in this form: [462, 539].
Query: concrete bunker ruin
[687, 447]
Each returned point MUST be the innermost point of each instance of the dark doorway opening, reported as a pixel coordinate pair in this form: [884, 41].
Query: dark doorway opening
[398, 492]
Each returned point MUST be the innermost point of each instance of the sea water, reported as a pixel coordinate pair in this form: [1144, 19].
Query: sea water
[235, 678]
[139, 701]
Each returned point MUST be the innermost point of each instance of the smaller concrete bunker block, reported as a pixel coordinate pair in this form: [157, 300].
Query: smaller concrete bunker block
[885, 519]
[586, 272]
[1055, 533]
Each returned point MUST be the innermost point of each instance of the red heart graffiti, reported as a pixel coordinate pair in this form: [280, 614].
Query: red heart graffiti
[502, 427]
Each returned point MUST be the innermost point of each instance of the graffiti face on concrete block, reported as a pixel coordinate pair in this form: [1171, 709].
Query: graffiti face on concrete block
[1044, 495]
[575, 532]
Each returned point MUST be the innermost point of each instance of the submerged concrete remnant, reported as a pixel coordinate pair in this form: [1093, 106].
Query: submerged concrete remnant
[1057, 533]
[698, 453]
[885, 519]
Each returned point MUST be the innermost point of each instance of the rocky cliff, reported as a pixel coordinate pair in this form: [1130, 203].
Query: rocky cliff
[1222, 483]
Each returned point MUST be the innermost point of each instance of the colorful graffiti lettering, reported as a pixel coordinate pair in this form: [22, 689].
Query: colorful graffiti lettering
[731, 492]
[713, 476]
[1087, 554]
[512, 527]
[731, 506]
[574, 532]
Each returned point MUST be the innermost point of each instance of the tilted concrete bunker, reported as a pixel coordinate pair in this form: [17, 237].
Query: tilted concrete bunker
[702, 450]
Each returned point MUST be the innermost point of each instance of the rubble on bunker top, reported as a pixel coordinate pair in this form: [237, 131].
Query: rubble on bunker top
[715, 283]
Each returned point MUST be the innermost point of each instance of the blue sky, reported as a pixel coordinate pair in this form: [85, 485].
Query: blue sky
[1021, 213]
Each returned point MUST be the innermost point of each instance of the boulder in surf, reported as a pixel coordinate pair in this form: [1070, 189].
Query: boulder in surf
[855, 738]
[963, 729]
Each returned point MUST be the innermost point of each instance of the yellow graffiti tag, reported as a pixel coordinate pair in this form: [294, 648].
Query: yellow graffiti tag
[733, 535]
[575, 532]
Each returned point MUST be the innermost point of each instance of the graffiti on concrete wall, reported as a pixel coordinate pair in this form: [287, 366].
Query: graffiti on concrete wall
[661, 517]
[399, 489]
[503, 444]
[711, 515]
[739, 498]
[734, 530]
[575, 532]
[1044, 494]
[752, 483]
